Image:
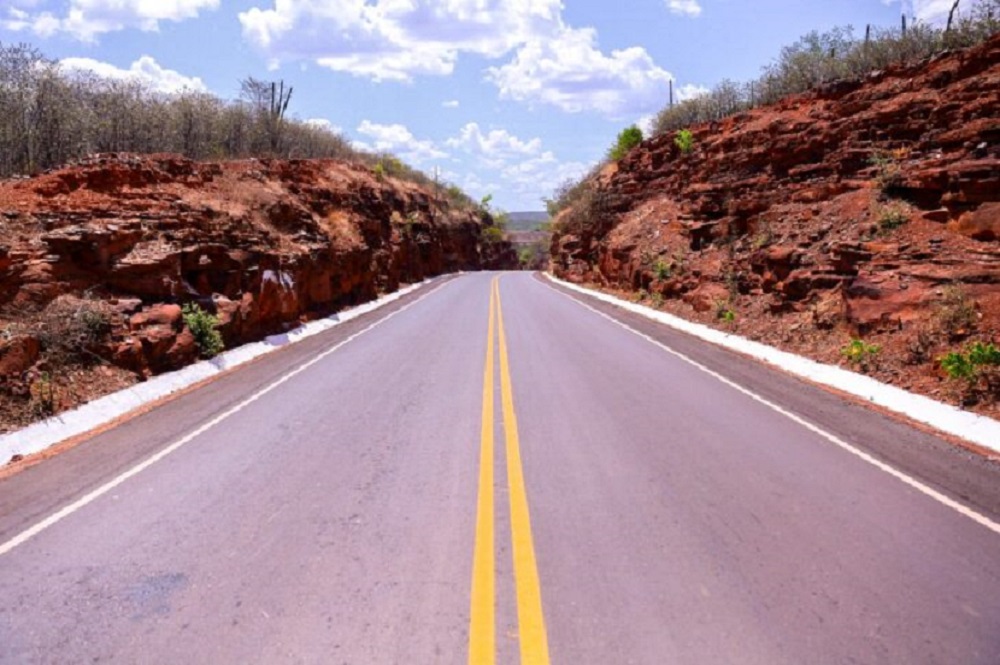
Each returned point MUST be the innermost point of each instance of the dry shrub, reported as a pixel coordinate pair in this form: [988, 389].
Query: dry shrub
[957, 315]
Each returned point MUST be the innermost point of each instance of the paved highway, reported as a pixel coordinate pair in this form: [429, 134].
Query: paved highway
[491, 470]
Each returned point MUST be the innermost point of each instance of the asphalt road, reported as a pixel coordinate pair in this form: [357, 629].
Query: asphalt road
[501, 474]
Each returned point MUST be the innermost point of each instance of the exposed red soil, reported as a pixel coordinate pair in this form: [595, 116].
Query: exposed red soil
[778, 224]
[102, 254]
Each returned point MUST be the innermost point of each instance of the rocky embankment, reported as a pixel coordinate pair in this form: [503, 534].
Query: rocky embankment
[97, 260]
[868, 209]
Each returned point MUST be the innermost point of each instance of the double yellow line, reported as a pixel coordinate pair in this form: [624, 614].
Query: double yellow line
[530, 619]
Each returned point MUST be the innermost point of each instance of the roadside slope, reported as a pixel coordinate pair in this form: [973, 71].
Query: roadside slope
[866, 209]
[96, 260]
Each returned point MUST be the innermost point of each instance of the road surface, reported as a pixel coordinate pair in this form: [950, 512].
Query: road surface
[491, 470]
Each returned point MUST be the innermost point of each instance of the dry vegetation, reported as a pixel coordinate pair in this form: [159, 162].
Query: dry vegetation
[817, 59]
[50, 117]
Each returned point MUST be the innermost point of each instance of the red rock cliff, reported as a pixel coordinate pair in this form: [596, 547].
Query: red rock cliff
[866, 208]
[263, 244]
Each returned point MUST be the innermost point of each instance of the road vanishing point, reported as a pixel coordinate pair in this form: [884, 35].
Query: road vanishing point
[495, 470]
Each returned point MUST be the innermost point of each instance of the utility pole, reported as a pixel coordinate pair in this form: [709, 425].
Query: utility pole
[951, 15]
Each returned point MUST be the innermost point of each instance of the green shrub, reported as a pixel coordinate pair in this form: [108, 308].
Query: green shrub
[970, 364]
[724, 311]
[860, 353]
[629, 138]
[492, 234]
[958, 366]
[662, 270]
[379, 172]
[204, 327]
[684, 140]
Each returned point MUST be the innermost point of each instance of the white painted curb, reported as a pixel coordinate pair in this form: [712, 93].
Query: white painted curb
[944, 417]
[36, 438]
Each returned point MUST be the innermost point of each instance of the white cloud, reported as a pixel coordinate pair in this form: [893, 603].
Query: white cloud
[450, 104]
[397, 40]
[935, 11]
[323, 123]
[86, 19]
[684, 7]
[394, 39]
[568, 71]
[398, 140]
[690, 91]
[646, 123]
[535, 179]
[495, 144]
[145, 70]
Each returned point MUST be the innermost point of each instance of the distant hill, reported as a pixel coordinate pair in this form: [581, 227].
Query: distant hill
[527, 221]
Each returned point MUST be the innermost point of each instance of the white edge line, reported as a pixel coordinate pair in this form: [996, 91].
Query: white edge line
[95, 494]
[975, 516]
[42, 435]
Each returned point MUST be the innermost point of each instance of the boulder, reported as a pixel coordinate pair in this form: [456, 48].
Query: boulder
[17, 355]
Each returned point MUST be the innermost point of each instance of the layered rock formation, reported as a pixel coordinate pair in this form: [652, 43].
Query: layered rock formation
[867, 208]
[112, 248]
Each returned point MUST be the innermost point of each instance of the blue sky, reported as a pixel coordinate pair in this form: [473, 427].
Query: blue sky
[509, 97]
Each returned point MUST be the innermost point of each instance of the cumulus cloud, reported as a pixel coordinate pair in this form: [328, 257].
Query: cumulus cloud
[398, 40]
[690, 91]
[934, 11]
[145, 70]
[535, 179]
[684, 7]
[569, 72]
[398, 140]
[87, 19]
[495, 144]
[323, 123]
[394, 39]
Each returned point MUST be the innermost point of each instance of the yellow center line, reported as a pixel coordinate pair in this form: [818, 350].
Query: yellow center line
[530, 619]
[482, 622]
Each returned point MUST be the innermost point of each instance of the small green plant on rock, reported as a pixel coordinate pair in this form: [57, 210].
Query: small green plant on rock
[684, 140]
[657, 300]
[629, 138]
[888, 170]
[204, 327]
[43, 396]
[861, 354]
[724, 311]
[972, 363]
[892, 217]
[662, 270]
